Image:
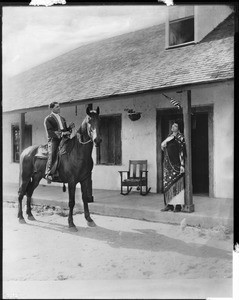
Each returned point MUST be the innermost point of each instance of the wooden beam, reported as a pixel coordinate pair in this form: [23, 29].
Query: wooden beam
[210, 153]
[159, 153]
[22, 132]
[186, 103]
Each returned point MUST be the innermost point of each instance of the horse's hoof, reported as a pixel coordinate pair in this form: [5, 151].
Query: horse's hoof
[31, 218]
[22, 221]
[91, 224]
[73, 228]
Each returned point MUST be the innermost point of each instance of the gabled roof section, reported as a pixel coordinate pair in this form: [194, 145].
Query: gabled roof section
[124, 64]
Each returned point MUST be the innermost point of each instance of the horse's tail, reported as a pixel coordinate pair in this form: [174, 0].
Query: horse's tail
[64, 187]
[20, 172]
[26, 164]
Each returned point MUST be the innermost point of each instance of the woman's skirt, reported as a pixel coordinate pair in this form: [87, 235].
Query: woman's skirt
[173, 184]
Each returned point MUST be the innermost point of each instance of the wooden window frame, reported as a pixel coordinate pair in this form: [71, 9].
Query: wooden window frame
[28, 131]
[177, 22]
[117, 151]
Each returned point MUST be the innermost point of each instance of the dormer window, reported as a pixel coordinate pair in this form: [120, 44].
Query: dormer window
[181, 31]
[180, 26]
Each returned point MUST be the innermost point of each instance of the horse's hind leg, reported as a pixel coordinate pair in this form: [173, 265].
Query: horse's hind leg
[30, 189]
[21, 193]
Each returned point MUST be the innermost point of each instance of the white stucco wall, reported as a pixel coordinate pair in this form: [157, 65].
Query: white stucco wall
[139, 137]
[222, 97]
[207, 17]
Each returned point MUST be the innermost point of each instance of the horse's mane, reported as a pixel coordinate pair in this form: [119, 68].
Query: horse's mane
[67, 145]
[83, 128]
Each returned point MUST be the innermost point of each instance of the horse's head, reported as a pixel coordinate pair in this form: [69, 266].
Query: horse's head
[93, 121]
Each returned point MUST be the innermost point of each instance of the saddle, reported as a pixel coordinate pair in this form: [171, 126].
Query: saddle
[65, 147]
[42, 152]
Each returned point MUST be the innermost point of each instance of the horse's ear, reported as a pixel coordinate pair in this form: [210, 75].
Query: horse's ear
[98, 110]
[88, 111]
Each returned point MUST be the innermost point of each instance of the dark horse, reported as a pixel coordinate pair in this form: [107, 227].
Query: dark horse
[74, 166]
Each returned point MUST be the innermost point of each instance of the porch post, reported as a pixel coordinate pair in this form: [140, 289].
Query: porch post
[22, 132]
[188, 199]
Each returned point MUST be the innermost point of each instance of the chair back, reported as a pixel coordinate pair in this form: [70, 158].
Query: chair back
[136, 166]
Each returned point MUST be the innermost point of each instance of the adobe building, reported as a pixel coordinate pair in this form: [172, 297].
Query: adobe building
[193, 51]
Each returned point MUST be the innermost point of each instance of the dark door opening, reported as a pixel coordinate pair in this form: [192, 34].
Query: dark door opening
[200, 157]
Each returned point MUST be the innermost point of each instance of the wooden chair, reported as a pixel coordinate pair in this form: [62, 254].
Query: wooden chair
[136, 176]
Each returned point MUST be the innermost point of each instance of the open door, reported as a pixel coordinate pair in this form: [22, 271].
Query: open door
[200, 147]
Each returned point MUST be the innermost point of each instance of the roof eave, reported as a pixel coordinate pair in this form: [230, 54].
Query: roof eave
[185, 86]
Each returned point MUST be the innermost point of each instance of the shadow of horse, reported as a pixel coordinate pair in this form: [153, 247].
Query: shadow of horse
[141, 239]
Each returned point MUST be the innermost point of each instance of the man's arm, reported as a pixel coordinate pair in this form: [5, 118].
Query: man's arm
[51, 130]
[71, 125]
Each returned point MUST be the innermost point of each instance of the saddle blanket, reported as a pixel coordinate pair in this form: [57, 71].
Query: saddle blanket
[65, 146]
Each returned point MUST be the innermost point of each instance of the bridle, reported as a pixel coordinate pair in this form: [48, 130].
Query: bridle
[89, 135]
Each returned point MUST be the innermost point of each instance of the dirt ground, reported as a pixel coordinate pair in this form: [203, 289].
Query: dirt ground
[116, 249]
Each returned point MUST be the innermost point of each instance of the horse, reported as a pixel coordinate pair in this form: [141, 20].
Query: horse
[74, 167]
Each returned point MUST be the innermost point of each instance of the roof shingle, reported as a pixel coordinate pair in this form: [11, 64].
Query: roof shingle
[128, 63]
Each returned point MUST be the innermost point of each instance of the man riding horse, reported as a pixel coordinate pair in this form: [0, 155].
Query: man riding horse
[56, 128]
[75, 163]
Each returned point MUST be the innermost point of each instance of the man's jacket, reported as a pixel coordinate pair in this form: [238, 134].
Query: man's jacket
[52, 127]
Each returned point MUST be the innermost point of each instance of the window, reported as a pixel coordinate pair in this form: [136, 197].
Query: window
[16, 140]
[181, 25]
[181, 32]
[109, 151]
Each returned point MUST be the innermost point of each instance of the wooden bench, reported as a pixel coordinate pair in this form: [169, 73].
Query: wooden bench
[136, 176]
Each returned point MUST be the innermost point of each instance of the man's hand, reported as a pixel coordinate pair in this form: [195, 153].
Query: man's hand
[58, 134]
[65, 133]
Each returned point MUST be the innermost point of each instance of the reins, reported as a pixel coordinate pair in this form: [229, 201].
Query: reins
[83, 143]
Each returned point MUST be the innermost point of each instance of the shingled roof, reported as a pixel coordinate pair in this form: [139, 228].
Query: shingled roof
[129, 63]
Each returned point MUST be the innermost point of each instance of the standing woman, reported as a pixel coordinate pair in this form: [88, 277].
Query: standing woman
[173, 169]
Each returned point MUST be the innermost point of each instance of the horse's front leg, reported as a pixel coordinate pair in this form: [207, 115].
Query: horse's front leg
[20, 215]
[86, 189]
[71, 190]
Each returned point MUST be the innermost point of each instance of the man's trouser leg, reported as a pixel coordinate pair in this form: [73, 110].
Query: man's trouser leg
[52, 148]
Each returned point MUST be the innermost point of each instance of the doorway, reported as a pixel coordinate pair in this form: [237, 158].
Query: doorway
[200, 126]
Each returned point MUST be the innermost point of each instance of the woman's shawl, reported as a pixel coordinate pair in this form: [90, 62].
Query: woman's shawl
[174, 154]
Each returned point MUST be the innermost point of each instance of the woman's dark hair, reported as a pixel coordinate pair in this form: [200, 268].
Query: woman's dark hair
[179, 122]
[52, 104]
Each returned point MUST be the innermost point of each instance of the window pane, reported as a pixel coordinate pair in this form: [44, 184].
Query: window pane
[104, 125]
[16, 140]
[118, 141]
[111, 142]
[109, 151]
[181, 32]
[16, 143]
